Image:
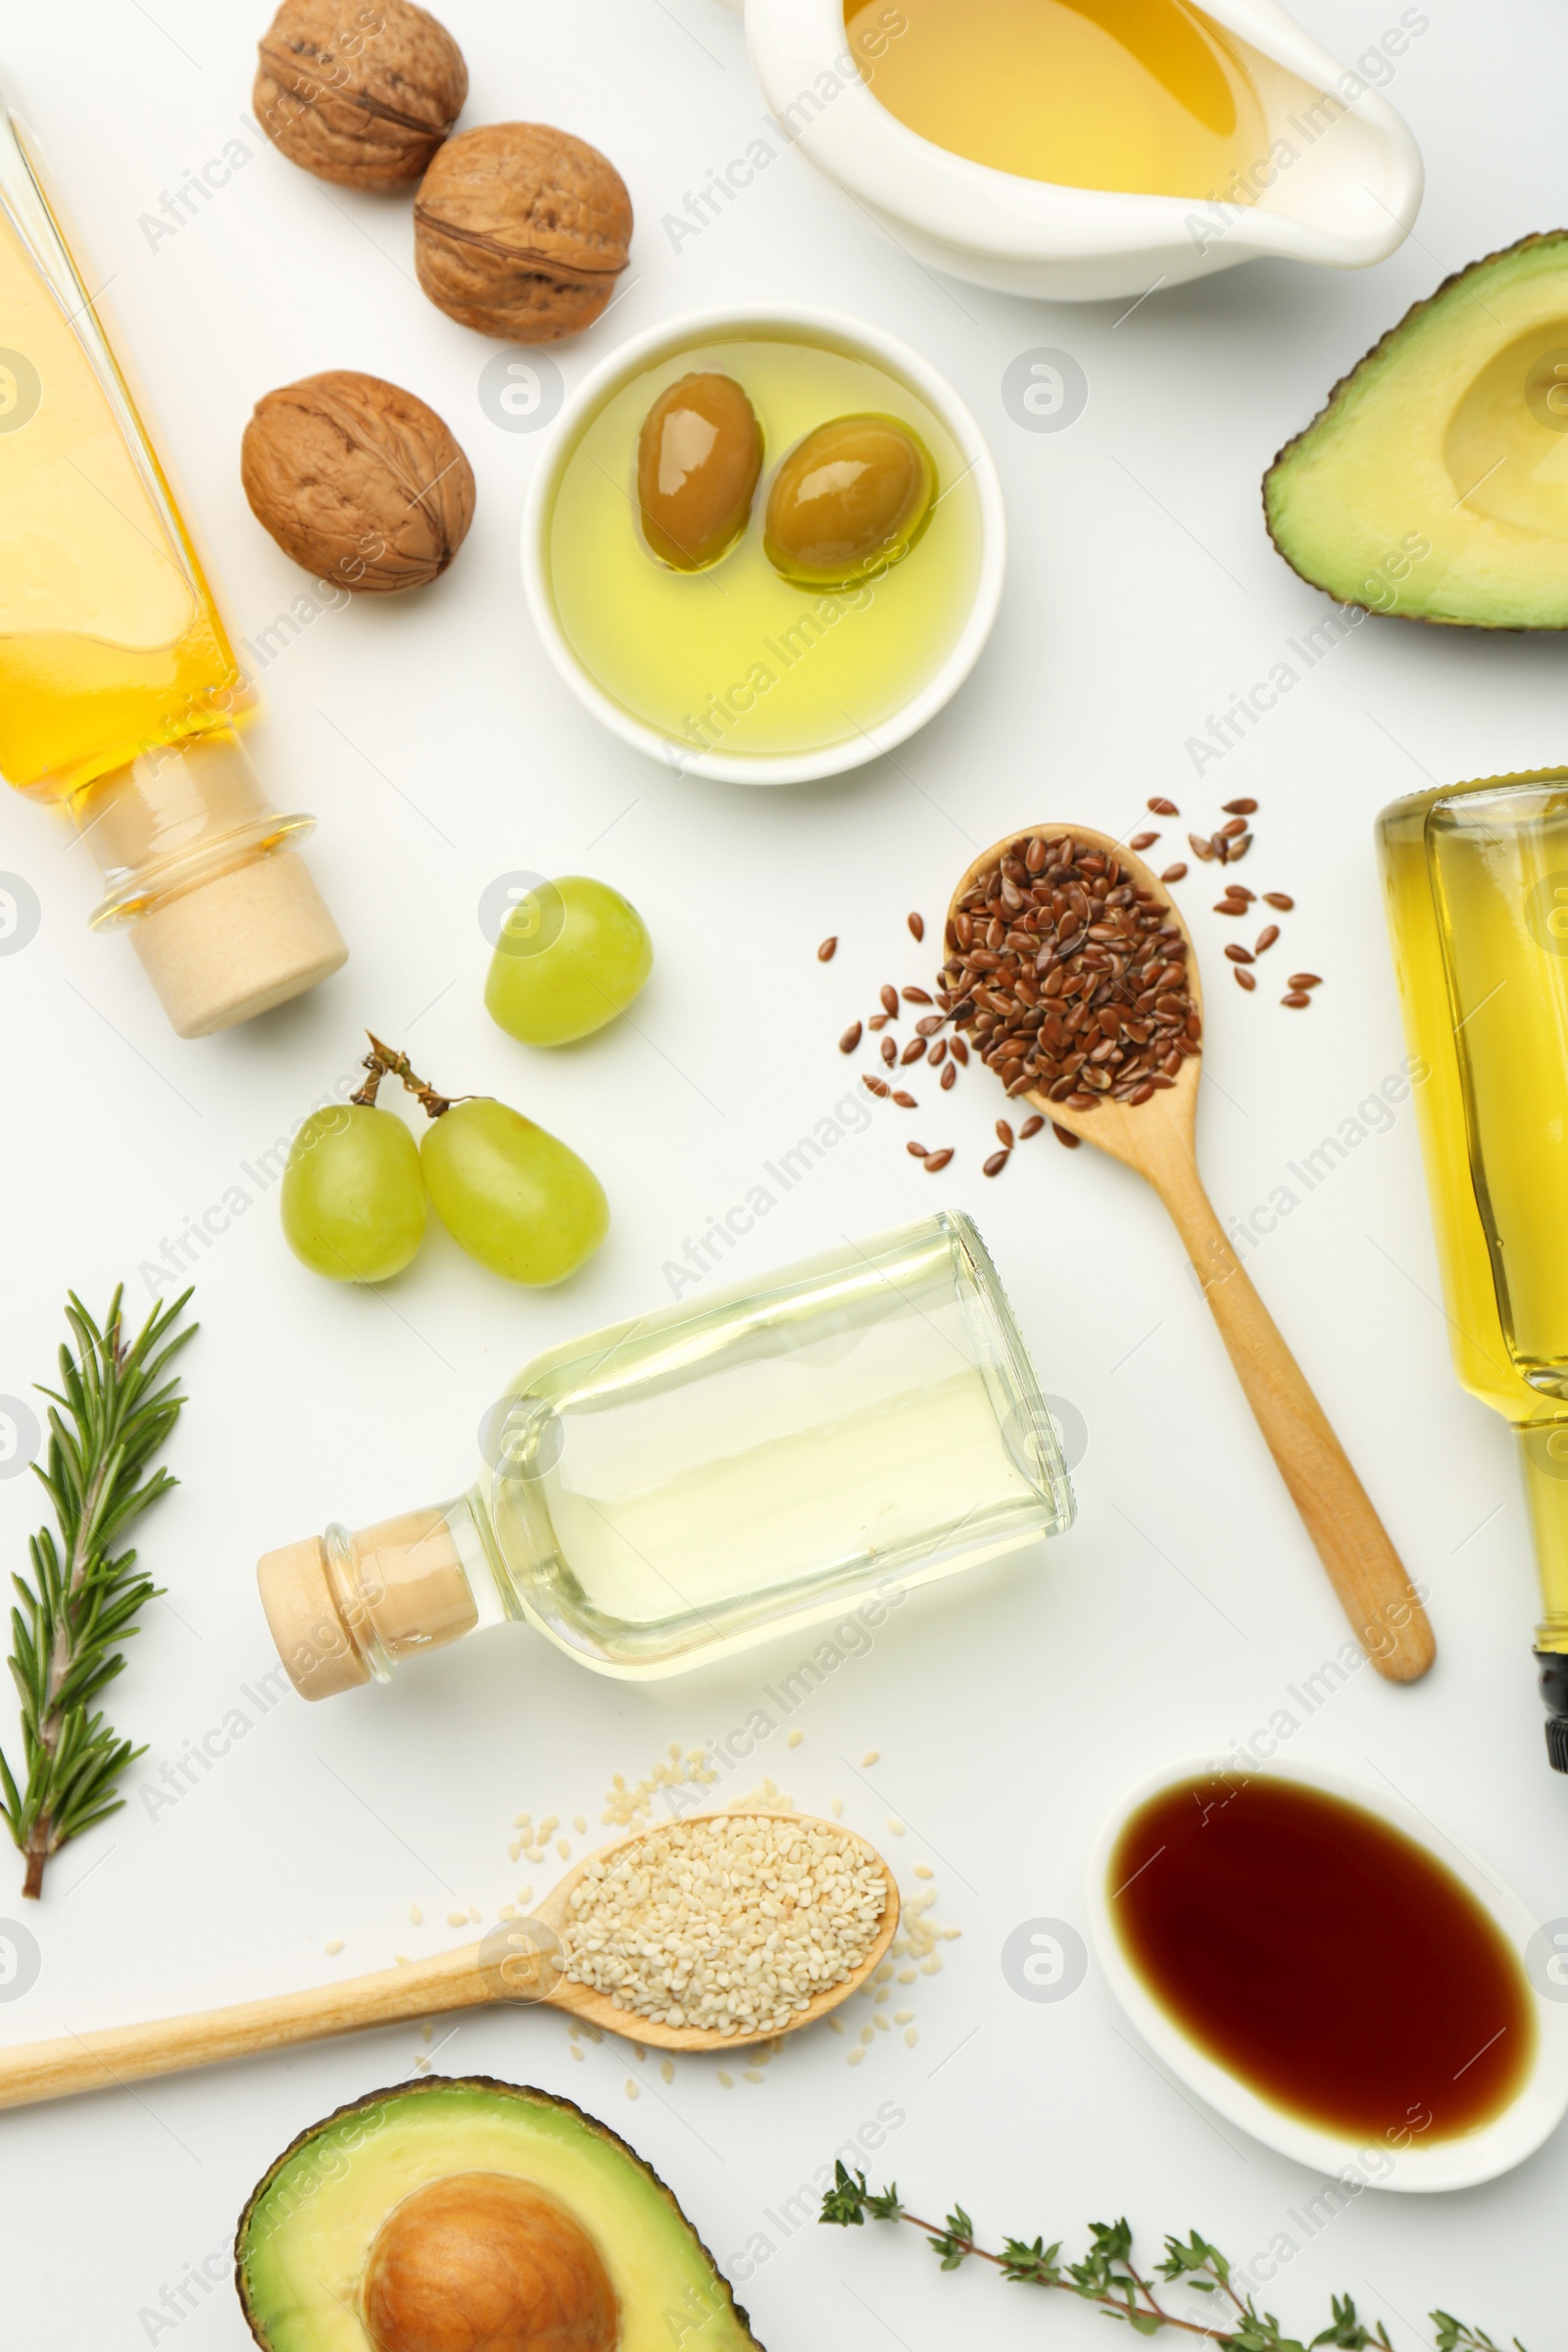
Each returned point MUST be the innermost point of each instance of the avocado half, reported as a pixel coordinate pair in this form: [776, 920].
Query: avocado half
[1433, 483]
[312, 2246]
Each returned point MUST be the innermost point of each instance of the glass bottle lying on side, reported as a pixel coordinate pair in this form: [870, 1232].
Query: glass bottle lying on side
[119, 691]
[698, 1480]
[1477, 883]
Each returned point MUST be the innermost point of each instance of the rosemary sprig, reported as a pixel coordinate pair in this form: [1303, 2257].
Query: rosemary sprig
[1107, 2276]
[113, 1412]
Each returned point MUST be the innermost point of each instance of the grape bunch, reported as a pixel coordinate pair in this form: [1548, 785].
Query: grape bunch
[358, 1190]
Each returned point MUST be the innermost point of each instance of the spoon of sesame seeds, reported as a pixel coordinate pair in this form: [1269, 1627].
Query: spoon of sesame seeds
[1071, 974]
[707, 1933]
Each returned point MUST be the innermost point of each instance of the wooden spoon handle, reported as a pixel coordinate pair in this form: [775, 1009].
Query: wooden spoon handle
[51, 2069]
[1386, 1615]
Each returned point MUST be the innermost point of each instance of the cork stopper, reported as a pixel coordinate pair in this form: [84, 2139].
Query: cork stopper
[236, 946]
[346, 1606]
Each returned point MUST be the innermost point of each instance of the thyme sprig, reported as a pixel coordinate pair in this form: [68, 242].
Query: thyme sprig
[1107, 2277]
[112, 1413]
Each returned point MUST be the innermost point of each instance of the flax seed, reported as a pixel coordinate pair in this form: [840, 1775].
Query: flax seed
[1243, 979]
[914, 1050]
[1031, 1126]
[916, 923]
[890, 1051]
[1005, 1134]
[1296, 999]
[917, 1151]
[1234, 827]
[1277, 897]
[1301, 980]
[890, 1000]
[1065, 1135]
[851, 1038]
[1142, 840]
[936, 1162]
[1230, 906]
[939, 1053]
[1241, 807]
[1266, 938]
[828, 950]
[1238, 846]
[917, 996]
[961, 1052]
[996, 1163]
[905, 1101]
[950, 1076]
[1201, 848]
[1161, 808]
[878, 1020]
[875, 1085]
[1238, 954]
[1174, 873]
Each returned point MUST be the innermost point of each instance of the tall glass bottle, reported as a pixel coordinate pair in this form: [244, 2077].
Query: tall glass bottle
[700, 1479]
[1477, 884]
[120, 693]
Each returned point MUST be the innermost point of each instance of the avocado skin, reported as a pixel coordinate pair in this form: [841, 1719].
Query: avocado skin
[1455, 277]
[482, 2083]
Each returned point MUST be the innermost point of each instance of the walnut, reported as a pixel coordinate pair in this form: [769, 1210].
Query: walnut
[359, 91]
[358, 480]
[522, 232]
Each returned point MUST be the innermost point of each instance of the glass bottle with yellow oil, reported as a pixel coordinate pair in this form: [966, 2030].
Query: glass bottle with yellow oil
[120, 692]
[1477, 883]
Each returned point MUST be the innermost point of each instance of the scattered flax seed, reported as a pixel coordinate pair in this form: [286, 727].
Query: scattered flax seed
[1230, 830]
[905, 1101]
[456, 1919]
[1163, 807]
[828, 950]
[727, 2081]
[1031, 1126]
[872, 1756]
[1174, 873]
[666, 2070]
[936, 1162]
[1230, 906]
[333, 1947]
[914, 1050]
[889, 1050]
[1237, 953]
[1241, 807]
[1065, 1135]
[875, 1085]
[1277, 897]
[1296, 999]
[890, 1000]
[416, 1915]
[961, 1052]
[851, 1038]
[1142, 840]
[996, 1163]
[939, 1053]
[950, 1076]
[915, 1151]
[1238, 846]
[917, 996]
[1266, 938]
[878, 1020]
[733, 1923]
[916, 923]
[1200, 848]
[1299, 980]
[1243, 979]
[1005, 1134]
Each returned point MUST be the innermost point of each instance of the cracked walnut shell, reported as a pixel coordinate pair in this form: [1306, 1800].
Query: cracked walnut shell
[358, 480]
[522, 232]
[359, 91]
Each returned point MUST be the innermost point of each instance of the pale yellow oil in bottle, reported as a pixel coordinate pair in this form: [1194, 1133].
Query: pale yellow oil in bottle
[1477, 884]
[736, 659]
[109, 641]
[1144, 96]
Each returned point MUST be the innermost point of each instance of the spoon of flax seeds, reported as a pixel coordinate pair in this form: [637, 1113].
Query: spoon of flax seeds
[1071, 974]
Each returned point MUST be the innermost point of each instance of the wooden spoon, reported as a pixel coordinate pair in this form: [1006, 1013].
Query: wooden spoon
[513, 1963]
[1157, 1139]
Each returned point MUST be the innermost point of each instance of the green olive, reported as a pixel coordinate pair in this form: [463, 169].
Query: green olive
[699, 455]
[851, 498]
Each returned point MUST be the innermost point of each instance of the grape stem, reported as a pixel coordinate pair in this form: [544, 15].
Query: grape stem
[385, 1062]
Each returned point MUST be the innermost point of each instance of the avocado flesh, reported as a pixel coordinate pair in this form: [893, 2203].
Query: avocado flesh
[306, 2235]
[1452, 434]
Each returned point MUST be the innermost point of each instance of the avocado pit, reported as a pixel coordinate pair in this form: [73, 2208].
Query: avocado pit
[485, 2262]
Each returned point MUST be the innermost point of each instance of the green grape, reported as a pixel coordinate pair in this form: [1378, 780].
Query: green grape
[352, 1197]
[514, 1197]
[572, 956]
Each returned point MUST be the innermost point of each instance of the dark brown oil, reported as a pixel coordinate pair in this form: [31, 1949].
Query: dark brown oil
[1332, 1964]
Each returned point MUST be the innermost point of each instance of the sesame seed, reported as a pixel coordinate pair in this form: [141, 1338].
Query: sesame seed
[872, 1756]
[902, 2017]
[754, 2073]
[416, 1915]
[579, 1822]
[333, 1947]
[923, 1870]
[895, 1826]
[563, 1848]
[728, 2080]
[576, 2049]
[525, 1896]
[837, 1808]
[912, 2038]
[631, 2088]
[795, 1739]
[856, 2056]
[666, 2070]
[456, 1919]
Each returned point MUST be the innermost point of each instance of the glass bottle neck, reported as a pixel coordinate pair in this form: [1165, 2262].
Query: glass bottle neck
[1545, 1451]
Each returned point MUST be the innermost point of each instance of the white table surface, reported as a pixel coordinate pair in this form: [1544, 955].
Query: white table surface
[439, 751]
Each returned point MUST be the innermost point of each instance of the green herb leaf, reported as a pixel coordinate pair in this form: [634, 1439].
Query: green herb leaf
[106, 1420]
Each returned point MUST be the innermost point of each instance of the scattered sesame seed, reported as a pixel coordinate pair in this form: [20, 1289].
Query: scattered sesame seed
[907, 1976]
[631, 2088]
[795, 1739]
[836, 2023]
[883, 1995]
[923, 1870]
[838, 1809]
[416, 1915]
[333, 1947]
[872, 1756]
[902, 2017]
[931, 1967]
[895, 1826]
[912, 2038]
[521, 1820]
[856, 2056]
[754, 2073]
[456, 1919]
[880, 2022]
[548, 1827]
[425, 2030]
[525, 1896]
[475, 1915]
[579, 1822]
[866, 2033]
[515, 1849]
[576, 2049]
[666, 2070]
[564, 1847]
[728, 2080]
[638, 2052]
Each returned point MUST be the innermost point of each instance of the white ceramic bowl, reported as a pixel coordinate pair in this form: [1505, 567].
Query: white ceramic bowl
[1349, 197]
[1458, 2163]
[869, 343]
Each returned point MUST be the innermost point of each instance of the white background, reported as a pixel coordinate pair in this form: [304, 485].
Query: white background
[439, 751]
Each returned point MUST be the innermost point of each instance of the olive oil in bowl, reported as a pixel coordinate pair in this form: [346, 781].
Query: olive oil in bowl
[733, 662]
